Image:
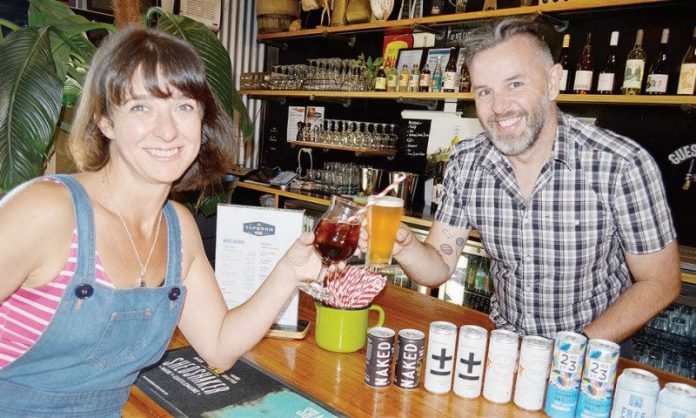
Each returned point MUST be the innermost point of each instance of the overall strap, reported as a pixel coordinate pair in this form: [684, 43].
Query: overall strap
[84, 221]
[174, 255]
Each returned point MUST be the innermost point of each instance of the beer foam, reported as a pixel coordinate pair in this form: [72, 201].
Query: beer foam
[388, 201]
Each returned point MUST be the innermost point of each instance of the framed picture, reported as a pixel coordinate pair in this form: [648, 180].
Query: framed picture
[408, 57]
[434, 54]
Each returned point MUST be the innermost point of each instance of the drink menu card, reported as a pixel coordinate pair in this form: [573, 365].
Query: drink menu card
[249, 242]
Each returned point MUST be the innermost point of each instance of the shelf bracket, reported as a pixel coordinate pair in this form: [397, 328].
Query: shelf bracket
[430, 104]
[559, 24]
[345, 102]
[280, 45]
[439, 33]
[348, 39]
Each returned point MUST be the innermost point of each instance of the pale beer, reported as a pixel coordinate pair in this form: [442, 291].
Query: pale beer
[383, 219]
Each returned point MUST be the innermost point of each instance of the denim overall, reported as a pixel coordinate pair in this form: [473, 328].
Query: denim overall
[100, 337]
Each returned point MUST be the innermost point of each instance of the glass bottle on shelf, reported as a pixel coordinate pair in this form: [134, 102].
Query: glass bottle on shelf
[381, 79]
[436, 7]
[687, 71]
[413, 79]
[464, 79]
[606, 83]
[563, 60]
[658, 75]
[392, 76]
[472, 266]
[404, 78]
[635, 66]
[436, 81]
[584, 69]
[449, 82]
[424, 79]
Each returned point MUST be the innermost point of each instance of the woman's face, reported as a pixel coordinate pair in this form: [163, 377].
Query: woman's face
[156, 139]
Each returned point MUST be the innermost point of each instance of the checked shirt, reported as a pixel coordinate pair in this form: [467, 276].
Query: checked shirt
[557, 260]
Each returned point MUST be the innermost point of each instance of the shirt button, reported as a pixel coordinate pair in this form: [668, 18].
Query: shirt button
[174, 293]
[84, 291]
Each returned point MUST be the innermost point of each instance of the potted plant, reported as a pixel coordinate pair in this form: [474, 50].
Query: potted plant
[42, 72]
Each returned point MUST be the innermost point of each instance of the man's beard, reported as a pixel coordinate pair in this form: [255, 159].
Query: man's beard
[516, 144]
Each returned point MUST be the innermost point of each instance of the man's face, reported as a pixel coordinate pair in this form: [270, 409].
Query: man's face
[511, 90]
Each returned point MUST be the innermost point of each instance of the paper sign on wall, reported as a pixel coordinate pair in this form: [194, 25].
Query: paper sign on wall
[249, 242]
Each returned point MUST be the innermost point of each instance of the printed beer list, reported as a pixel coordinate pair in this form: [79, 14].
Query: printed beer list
[184, 385]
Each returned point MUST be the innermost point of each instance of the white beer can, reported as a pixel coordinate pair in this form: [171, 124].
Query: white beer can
[442, 341]
[636, 394]
[676, 400]
[533, 372]
[500, 366]
[471, 357]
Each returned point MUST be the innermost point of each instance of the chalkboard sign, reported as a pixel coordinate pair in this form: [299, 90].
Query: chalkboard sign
[416, 134]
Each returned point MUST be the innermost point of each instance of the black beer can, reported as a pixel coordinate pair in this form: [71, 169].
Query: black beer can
[380, 350]
[409, 358]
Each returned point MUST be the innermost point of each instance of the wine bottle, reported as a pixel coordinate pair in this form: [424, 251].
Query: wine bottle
[658, 75]
[635, 66]
[436, 81]
[404, 78]
[563, 60]
[392, 77]
[464, 79]
[606, 83]
[381, 79]
[687, 72]
[413, 80]
[424, 80]
[449, 82]
[584, 69]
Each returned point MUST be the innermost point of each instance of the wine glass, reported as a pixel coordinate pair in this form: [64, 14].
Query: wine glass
[337, 233]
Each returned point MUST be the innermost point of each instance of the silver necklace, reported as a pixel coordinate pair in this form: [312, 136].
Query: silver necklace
[143, 267]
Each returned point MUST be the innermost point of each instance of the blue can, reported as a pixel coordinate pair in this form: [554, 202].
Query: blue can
[636, 394]
[598, 377]
[677, 400]
[566, 371]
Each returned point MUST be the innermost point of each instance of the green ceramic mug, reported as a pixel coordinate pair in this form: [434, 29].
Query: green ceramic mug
[343, 330]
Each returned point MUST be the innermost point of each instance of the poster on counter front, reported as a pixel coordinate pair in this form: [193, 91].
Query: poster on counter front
[249, 242]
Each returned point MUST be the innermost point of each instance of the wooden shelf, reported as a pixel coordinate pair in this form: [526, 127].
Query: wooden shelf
[609, 99]
[357, 151]
[550, 6]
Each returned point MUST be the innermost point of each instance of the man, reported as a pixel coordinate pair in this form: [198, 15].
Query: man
[573, 216]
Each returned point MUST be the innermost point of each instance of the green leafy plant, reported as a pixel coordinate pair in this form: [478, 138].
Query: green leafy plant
[42, 71]
[370, 68]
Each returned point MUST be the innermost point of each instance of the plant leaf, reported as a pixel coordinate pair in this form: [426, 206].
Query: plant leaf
[215, 58]
[30, 103]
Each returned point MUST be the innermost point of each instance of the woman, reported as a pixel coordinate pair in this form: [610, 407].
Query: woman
[75, 333]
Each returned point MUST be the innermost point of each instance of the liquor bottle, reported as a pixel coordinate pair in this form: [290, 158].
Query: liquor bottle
[392, 77]
[381, 79]
[635, 66]
[687, 73]
[404, 78]
[464, 80]
[563, 60]
[606, 83]
[437, 186]
[449, 82]
[413, 79]
[658, 75]
[424, 79]
[436, 81]
[584, 69]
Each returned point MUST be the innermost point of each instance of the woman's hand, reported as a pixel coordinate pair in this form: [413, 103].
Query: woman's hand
[302, 259]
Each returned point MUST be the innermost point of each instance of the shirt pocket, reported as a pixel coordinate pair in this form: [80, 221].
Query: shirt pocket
[123, 339]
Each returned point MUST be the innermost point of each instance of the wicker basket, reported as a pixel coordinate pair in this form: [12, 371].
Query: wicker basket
[275, 15]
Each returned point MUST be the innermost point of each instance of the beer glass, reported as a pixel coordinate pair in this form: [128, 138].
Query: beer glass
[383, 219]
[337, 234]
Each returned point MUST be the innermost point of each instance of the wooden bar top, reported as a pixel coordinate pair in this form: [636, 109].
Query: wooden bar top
[337, 380]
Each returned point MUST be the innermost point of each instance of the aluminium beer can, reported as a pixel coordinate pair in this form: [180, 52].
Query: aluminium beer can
[500, 366]
[636, 394]
[676, 400]
[471, 358]
[409, 358]
[533, 372]
[566, 371]
[598, 377]
[439, 365]
[380, 351]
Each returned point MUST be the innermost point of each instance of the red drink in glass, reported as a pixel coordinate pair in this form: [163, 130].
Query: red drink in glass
[336, 241]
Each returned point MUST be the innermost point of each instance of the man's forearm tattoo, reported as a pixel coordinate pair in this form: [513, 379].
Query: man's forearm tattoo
[446, 249]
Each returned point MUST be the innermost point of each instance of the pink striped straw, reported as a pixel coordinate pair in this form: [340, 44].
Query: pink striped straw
[376, 197]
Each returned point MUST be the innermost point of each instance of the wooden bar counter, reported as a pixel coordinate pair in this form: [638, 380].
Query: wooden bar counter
[337, 380]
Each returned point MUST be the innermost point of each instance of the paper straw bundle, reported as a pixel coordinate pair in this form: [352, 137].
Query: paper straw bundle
[354, 287]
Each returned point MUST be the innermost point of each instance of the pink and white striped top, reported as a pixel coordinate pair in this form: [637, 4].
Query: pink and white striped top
[25, 314]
